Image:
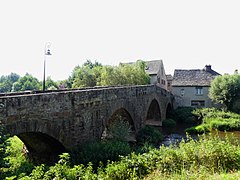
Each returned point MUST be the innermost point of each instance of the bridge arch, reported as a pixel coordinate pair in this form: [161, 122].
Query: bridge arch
[41, 148]
[153, 116]
[120, 118]
[168, 110]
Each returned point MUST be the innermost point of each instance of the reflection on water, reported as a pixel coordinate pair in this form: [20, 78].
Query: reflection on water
[175, 135]
[230, 134]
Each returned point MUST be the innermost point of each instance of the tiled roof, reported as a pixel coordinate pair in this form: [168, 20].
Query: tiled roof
[194, 77]
[153, 66]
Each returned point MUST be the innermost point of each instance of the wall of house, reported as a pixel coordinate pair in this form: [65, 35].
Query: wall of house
[186, 96]
[153, 79]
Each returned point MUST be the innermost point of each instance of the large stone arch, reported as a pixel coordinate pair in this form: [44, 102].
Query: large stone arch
[154, 115]
[41, 147]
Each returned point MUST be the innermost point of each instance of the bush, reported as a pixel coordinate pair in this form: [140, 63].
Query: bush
[100, 151]
[182, 115]
[18, 165]
[169, 123]
[213, 118]
[149, 134]
[200, 129]
[210, 153]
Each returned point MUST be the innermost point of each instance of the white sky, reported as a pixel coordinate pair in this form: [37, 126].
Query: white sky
[186, 34]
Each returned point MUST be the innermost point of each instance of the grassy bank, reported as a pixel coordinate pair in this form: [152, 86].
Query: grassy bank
[210, 156]
[214, 119]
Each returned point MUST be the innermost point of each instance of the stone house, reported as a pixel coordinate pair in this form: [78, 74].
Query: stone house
[156, 71]
[191, 87]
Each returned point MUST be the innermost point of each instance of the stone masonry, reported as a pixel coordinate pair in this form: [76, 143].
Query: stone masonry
[57, 120]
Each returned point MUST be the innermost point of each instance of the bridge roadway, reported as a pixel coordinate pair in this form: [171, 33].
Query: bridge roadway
[52, 121]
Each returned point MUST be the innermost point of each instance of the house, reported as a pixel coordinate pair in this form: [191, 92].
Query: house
[156, 71]
[191, 87]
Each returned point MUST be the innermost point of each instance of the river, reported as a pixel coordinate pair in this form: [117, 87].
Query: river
[176, 134]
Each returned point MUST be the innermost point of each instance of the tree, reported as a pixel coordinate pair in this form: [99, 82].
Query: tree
[50, 84]
[94, 74]
[125, 74]
[226, 90]
[27, 82]
[6, 82]
[86, 75]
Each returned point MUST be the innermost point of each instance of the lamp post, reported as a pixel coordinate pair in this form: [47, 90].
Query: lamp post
[46, 53]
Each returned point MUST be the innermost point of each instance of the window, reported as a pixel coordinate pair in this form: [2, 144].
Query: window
[182, 92]
[199, 91]
[163, 81]
[197, 103]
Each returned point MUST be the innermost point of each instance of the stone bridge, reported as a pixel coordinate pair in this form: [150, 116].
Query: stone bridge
[51, 122]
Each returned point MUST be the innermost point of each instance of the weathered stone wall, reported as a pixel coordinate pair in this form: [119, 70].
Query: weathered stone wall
[73, 117]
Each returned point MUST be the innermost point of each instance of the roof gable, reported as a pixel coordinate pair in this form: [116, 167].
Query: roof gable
[153, 67]
[194, 77]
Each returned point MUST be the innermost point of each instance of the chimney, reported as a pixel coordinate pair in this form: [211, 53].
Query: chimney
[208, 68]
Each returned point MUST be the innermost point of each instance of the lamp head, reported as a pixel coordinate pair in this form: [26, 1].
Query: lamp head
[48, 52]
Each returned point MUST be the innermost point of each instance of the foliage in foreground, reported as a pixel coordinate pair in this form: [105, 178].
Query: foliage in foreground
[215, 119]
[208, 153]
[16, 164]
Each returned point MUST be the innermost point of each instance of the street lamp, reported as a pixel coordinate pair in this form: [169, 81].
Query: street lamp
[46, 53]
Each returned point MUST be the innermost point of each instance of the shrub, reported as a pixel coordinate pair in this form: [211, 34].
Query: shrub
[217, 119]
[209, 153]
[100, 151]
[149, 134]
[120, 129]
[169, 123]
[200, 129]
[183, 115]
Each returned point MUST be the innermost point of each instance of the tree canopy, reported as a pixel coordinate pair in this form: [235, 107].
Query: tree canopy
[87, 75]
[95, 74]
[27, 82]
[226, 90]
[6, 82]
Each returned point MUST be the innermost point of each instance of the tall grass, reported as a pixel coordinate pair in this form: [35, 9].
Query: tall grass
[209, 156]
[215, 119]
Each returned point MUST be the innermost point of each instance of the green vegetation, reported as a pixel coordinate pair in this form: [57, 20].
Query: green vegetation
[210, 156]
[27, 82]
[16, 164]
[183, 115]
[88, 75]
[215, 119]
[225, 90]
[6, 82]
[96, 152]
[92, 155]
[150, 135]
[169, 123]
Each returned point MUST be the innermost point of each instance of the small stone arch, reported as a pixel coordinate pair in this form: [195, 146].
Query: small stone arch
[122, 116]
[41, 148]
[154, 114]
[168, 109]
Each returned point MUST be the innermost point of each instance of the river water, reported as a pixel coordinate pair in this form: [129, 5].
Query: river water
[177, 134]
